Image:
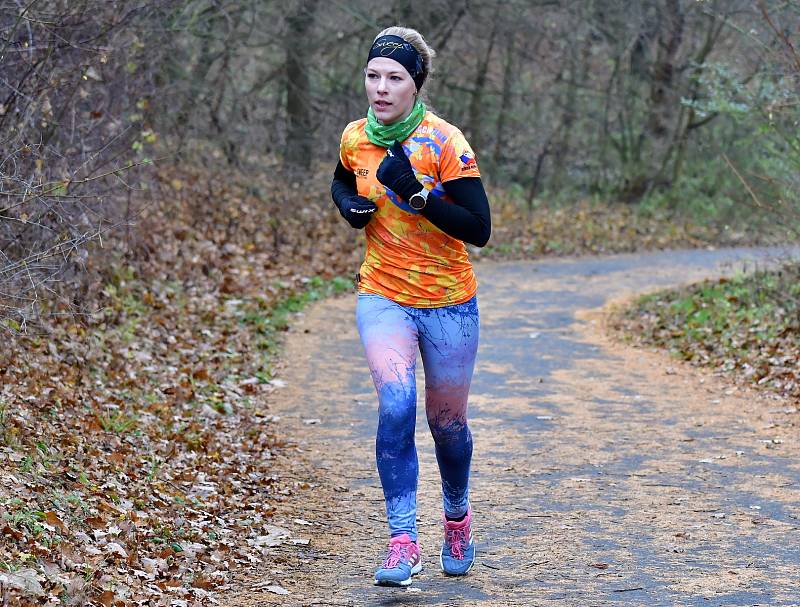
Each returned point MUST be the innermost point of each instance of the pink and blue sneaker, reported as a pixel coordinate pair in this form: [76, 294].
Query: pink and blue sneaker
[458, 549]
[402, 561]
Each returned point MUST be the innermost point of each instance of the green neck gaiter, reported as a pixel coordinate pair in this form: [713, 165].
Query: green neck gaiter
[385, 135]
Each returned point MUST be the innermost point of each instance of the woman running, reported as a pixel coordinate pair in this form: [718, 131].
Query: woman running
[411, 180]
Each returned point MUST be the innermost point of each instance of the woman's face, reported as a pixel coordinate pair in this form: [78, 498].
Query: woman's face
[390, 89]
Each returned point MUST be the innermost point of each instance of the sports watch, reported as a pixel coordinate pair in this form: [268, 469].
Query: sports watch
[419, 200]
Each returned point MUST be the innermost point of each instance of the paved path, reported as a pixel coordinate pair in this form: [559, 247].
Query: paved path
[603, 474]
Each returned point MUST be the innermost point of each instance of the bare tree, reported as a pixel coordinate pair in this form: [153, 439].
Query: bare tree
[569, 96]
[299, 141]
[74, 127]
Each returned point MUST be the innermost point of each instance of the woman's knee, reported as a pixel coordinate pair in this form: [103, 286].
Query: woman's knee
[448, 430]
[397, 413]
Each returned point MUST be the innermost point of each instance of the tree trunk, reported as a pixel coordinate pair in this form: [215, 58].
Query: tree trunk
[662, 89]
[578, 67]
[505, 101]
[656, 139]
[299, 138]
[476, 105]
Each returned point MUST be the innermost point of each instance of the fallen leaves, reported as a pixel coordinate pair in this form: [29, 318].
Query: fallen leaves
[26, 580]
[584, 228]
[747, 327]
[140, 463]
[138, 452]
[270, 586]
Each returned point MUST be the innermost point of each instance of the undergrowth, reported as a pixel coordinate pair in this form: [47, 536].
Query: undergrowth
[747, 326]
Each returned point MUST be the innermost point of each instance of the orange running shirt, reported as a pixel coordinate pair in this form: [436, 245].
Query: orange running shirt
[408, 259]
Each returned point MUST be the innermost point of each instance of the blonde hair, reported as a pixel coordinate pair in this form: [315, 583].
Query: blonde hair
[416, 40]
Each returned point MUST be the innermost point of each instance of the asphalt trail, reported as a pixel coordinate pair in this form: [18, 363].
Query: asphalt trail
[602, 475]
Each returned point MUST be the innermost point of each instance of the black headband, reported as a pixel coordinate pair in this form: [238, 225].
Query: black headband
[394, 47]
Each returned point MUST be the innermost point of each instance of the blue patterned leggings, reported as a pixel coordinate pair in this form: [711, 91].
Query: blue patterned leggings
[447, 339]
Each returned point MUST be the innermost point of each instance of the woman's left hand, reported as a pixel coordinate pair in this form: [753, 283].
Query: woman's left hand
[396, 173]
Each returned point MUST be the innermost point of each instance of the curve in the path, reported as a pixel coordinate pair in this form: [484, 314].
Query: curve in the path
[601, 476]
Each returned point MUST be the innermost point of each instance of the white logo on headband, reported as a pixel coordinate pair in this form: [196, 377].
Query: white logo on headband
[387, 47]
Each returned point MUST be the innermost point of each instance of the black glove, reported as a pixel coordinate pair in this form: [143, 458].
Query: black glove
[395, 173]
[357, 210]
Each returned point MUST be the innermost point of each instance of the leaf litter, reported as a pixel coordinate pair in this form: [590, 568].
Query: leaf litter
[140, 462]
[138, 454]
[746, 327]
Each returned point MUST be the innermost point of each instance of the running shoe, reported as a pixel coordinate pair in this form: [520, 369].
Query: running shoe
[402, 561]
[458, 549]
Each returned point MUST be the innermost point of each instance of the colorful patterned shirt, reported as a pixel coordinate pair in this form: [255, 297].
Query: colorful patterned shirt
[408, 259]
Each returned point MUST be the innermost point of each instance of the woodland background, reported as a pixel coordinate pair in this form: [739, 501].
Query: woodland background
[164, 209]
[686, 107]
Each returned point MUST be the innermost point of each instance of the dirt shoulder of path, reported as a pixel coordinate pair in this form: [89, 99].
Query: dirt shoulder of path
[325, 512]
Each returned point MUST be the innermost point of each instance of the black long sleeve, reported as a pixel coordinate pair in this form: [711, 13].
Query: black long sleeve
[343, 184]
[469, 218]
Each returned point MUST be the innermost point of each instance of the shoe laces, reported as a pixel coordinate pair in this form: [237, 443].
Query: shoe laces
[457, 538]
[397, 553]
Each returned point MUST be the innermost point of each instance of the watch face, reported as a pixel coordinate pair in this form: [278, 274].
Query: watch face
[417, 202]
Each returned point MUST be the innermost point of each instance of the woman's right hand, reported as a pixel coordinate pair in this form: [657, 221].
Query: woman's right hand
[357, 210]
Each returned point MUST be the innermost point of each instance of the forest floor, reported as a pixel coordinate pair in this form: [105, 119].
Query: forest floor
[603, 474]
[146, 457]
